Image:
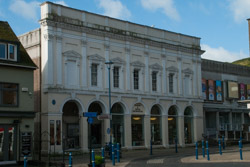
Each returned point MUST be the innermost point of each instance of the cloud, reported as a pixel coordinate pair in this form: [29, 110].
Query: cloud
[240, 9]
[28, 10]
[166, 6]
[114, 8]
[61, 3]
[221, 54]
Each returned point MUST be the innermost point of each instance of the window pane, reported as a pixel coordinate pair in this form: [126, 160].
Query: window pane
[94, 75]
[52, 135]
[8, 94]
[136, 79]
[116, 77]
[2, 51]
[137, 130]
[12, 52]
[58, 132]
[10, 97]
[171, 83]
[154, 81]
[156, 130]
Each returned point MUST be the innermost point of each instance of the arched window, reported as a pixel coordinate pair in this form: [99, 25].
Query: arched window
[96, 128]
[172, 125]
[118, 123]
[188, 125]
[70, 125]
[155, 121]
[137, 121]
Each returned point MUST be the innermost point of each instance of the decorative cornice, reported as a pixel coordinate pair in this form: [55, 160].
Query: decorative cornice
[137, 64]
[96, 57]
[187, 71]
[172, 69]
[72, 53]
[117, 60]
[156, 66]
[116, 34]
[48, 36]
[58, 38]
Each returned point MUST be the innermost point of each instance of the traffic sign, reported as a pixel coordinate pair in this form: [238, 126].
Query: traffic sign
[108, 131]
[104, 116]
[90, 120]
[90, 114]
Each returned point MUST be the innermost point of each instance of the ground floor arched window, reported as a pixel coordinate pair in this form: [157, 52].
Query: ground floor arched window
[188, 125]
[96, 128]
[155, 122]
[70, 125]
[172, 125]
[118, 123]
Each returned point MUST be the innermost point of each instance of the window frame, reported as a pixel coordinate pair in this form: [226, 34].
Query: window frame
[15, 52]
[5, 57]
[16, 90]
[136, 79]
[171, 83]
[116, 75]
[94, 83]
[154, 81]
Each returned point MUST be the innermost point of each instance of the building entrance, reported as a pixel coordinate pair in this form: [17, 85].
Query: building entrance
[8, 143]
[96, 128]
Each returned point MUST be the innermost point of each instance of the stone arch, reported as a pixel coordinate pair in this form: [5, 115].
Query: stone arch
[123, 104]
[163, 112]
[103, 105]
[78, 103]
[189, 125]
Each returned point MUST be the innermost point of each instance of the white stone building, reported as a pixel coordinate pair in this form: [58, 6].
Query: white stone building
[155, 81]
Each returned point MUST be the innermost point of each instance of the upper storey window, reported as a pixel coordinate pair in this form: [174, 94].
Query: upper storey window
[116, 77]
[8, 51]
[154, 81]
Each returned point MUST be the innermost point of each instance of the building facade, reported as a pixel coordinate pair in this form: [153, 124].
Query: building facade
[155, 81]
[223, 85]
[16, 98]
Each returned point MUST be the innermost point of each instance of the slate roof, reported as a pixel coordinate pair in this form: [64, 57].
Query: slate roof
[23, 59]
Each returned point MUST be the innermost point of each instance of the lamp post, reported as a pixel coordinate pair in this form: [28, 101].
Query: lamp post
[109, 63]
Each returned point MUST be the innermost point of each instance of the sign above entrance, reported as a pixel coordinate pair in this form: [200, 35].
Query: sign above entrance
[104, 116]
[90, 114]
[138, 108]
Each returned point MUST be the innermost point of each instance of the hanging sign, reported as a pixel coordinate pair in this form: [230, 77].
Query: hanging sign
[90, 114]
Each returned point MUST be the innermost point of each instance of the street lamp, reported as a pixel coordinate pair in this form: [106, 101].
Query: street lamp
[109, 63]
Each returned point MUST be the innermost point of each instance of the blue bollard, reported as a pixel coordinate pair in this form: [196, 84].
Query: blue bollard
[113, 155]
[25, 161]
[118, 152]
[176, 149]
[70, 159]
[93, 158]
[151, 149]
[223, 142]
[103, 155]
[196, 150]
[208, 158]
[240, 147]
[203, 148]
[220, 147]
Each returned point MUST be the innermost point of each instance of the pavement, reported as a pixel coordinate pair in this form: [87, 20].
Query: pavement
[186, 156]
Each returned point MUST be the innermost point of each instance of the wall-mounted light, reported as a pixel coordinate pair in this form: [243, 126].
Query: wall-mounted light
[153, 118]
[136, 118]
[170, 119]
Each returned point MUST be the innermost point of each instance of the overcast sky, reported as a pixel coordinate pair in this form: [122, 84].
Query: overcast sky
[221, 24]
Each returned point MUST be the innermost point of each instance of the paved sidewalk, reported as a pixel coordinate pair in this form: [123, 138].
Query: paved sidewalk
[187, 155]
